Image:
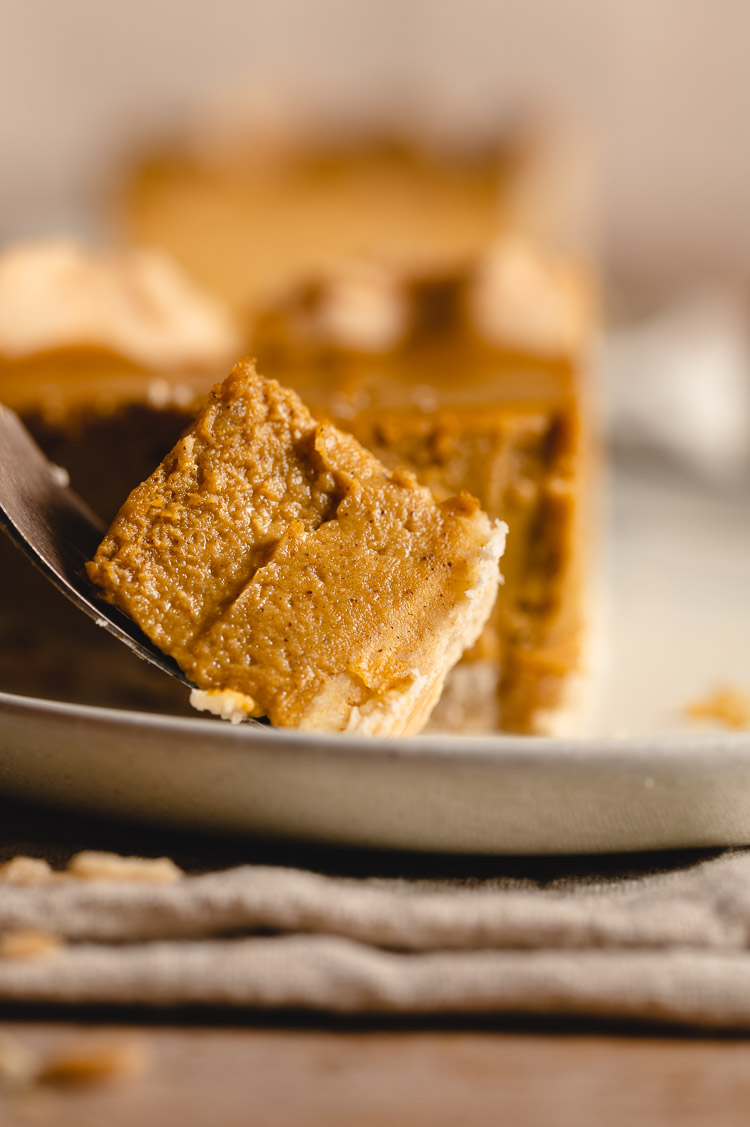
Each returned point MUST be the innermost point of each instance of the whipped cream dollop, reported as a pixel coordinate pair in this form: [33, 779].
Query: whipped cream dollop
[525, 299]
[136, 302]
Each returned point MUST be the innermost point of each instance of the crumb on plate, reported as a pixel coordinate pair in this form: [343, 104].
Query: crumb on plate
[726, 706]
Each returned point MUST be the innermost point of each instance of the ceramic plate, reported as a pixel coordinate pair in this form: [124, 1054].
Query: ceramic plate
[678, 625]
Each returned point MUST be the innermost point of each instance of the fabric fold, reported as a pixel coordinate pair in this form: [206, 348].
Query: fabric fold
[704, 906]
[689, 987]
[664, 947]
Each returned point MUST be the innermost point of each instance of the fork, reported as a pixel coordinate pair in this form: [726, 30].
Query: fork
[58, 532]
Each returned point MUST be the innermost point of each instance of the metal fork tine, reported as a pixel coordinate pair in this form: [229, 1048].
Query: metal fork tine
[58, 532]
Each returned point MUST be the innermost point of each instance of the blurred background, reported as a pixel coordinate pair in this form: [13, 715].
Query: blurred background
[648, 96]
[659, 87]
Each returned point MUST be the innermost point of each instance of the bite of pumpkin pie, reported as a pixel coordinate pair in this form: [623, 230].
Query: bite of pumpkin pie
[292, 576]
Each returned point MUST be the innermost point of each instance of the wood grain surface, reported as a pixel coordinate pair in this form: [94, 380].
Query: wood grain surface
[195, 1076]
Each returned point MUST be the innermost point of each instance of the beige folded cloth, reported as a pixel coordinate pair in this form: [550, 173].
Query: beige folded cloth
[668, 946]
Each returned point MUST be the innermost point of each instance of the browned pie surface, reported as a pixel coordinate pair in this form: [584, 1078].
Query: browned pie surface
[274, 557]
[249, 222]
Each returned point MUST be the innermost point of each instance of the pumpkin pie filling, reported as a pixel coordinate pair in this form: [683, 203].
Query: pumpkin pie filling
[418, 371]
[293, 576]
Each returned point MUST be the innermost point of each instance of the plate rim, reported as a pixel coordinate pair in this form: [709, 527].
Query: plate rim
[482, 748]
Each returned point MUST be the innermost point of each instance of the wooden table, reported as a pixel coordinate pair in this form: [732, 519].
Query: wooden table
[216, 1075]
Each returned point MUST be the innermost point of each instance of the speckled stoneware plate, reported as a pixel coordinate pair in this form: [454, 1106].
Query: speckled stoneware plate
[678, 625]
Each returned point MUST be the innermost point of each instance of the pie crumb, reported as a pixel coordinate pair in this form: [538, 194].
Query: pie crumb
[27, 870]
[727, 706]
[79, 1063]
[225, 703]
[90, 1062]
[93, 865]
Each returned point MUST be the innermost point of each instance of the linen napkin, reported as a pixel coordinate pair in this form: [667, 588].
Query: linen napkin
[660, 938]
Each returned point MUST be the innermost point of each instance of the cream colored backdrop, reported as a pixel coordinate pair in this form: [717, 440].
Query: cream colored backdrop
[663, 85]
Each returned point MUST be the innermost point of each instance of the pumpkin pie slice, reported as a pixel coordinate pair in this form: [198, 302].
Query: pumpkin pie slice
[477, 379]
[292, 576]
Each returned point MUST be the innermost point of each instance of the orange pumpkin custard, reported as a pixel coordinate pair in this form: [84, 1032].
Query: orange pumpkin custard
[474, 379]
[292, 576]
